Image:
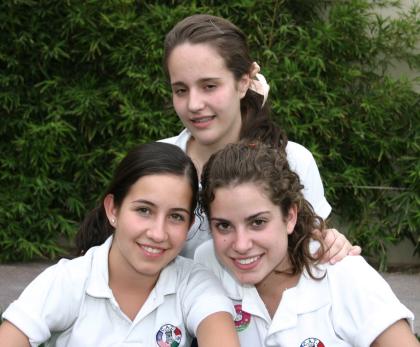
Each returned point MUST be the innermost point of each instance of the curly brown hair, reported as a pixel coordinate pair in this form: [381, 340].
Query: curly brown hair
[268, 167]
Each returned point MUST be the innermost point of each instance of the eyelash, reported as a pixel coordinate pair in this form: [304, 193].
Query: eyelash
[223, 227]
[207, 87]
[258, 223]
[178, 217]
[210, 86]
[143, 210]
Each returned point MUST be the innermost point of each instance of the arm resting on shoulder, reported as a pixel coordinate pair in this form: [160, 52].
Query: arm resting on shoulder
[398, 334]
[218, 329]
[10, 336]
[336, 246]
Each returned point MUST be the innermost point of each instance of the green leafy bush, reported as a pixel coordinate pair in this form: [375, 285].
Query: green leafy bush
[82, 81]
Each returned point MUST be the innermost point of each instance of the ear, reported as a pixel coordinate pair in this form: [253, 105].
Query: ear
[291, 219]
[110, 209]
[243, 85]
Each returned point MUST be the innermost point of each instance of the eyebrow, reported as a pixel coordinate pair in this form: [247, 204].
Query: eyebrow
[247, 218]
[147, 202]
[256, 215]
[202, 80]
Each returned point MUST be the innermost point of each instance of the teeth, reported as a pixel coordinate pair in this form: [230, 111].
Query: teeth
[247, 260]
[152, 250]
[203, 120]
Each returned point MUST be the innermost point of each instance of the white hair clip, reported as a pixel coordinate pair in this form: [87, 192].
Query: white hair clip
[258, 82]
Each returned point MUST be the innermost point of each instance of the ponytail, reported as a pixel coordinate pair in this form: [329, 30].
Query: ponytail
[93, 231]
[257, 124]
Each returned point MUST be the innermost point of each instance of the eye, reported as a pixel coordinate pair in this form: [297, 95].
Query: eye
[177, 217]
[144, 211]
[210, 87]
[258, 223]
[180, 91]
[222, 227]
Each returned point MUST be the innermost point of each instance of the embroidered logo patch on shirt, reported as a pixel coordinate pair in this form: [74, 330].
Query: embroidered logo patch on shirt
[242, 318]
[168, 336]
[312, 342]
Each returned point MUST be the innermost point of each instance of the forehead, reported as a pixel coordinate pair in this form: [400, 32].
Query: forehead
[165, 189]
[244, 198]
[190, 61]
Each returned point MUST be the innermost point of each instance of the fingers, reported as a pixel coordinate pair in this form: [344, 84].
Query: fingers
[336, 246]
[355, 250]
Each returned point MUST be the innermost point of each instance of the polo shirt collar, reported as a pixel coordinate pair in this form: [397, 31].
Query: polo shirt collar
[308, 295]
[166, 285]
[98, 286]
[182, 139]
[246, 294]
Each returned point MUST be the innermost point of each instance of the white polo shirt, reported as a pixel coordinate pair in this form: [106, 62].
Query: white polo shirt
[70, 304]
[350, 306]
[300, 161]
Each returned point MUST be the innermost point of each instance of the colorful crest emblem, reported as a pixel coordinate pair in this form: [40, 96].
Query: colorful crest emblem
[312, 342]
[168, 336]
[242, 318]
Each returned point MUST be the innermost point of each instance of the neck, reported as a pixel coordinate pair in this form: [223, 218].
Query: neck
[201, 153]
[129, 288]
[271, 289]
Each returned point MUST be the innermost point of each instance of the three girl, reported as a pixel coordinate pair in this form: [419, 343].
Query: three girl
[220, 98]
[132, 289]
[262, 236]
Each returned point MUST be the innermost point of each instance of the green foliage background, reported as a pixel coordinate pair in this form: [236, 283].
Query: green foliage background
[81, 82]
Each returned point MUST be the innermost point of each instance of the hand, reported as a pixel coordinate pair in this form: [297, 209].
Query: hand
[336, 246]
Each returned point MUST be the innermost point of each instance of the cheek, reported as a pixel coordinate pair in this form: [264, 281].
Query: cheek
[179, 235]
[176, 102]
[225, 99]
[221, 243]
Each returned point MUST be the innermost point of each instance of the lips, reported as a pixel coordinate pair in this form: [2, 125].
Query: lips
[151, 251]
[203, 119]
[247, 263]
[202, 122]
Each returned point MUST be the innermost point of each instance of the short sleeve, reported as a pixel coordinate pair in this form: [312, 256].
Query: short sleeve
[363, 304]
[49, 303]
[303, 163]
[202, 296]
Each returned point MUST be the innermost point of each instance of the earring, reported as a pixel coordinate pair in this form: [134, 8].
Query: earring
[113, 221]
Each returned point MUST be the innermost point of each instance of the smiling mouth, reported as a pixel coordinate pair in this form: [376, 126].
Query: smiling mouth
[203, 119]
[248, 261]
[152, 250]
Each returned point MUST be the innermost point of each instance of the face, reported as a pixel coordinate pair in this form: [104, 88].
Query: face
[250, 232]
[150, 225]
[205, 94]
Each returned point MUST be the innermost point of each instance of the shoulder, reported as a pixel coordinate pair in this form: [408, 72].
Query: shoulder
[363, 304]
[197, 287]
[204, 251]
[189, 270]
[206, 255]
[179, 140]
[51, 302]
[353, 271]
[66, 280]
[303, 163]
[351, 266]
[298, 156]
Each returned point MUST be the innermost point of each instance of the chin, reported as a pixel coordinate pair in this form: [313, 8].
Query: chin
[247, 280]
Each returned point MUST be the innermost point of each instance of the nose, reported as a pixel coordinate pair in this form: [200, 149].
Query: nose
[157, 230]
[243, 242]
[195, 101]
